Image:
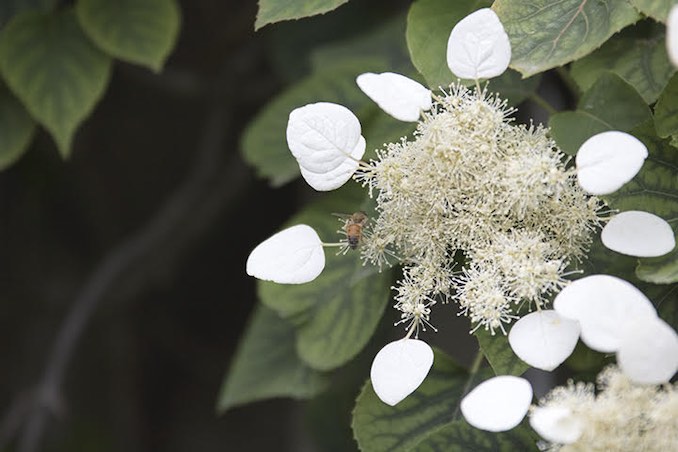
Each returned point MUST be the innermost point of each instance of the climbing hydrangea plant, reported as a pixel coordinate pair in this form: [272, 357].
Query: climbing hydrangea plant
[490, 215]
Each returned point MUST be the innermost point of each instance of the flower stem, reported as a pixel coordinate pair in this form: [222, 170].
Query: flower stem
[537, 99]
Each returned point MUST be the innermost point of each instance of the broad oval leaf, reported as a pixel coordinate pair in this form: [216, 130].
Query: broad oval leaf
[498, 353]
[545, 34]
[379, 427]
[266, 365]
[16, 128]
[666, 109]
[649, 352]
[9, 8]
[498, 404]
[458, 436]
[544, 339]
[336, 314]
[638, 58]
[325, 139]
[56, 72]
[399, 96]
[609, 104]
[657, 9]
[637, 233]
[137, 31]
[272, 11]
[292, 256]
[399, 368]
[608, 160]
[604, 305]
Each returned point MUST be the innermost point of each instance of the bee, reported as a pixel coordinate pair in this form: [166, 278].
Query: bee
[353, 228]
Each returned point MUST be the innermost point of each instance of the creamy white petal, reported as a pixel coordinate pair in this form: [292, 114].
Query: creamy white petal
[292, 256]
[497, 404]
[604, 305]
[326, 140]
[556, 424]
[399, 368]
[478, 46]
[544, 339]
[672, 35]
[397, 95]
[608, 160]
[648, 354]
[639, 234]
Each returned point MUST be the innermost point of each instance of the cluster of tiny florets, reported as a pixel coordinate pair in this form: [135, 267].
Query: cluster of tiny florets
[471, 182]
[622, 416]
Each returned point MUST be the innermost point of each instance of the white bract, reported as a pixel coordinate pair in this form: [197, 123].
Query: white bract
[672, 35]
[397, 95]
[478, 46]
[326, 140]
[556, 424]
[605, 307]
[608, 160]
[497, 404]
[292, 256]
[639, 234]
[399, 368]
[544, 339]
[648, 354]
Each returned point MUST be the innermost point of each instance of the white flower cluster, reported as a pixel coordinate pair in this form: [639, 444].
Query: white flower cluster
[622, 416]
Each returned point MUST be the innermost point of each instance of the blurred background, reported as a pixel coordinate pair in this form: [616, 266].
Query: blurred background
[123, 267]
[148, 226]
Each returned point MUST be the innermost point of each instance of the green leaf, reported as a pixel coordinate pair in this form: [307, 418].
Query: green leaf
[137, 31]
[545, 34]
[512, 87]
[666, 109]
[56, 72]
[266, 365]
[498, 353]
[272, 11]
[380, 427]
[8, 8]
[337, 313]
[637, 55]
[615, 102]
[610, 104]
[16, 128]
[659, 270]
[264, 145]
[461, 437]
[657, 9]
[571, 128]
[429, 23]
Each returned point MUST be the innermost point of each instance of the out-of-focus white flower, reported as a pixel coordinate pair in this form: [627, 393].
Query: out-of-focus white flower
[399, 96]
[605, 306]
[478, 47]
[608, 160]
[648, 353]
[544, 339]
[326, 140]
[497, 404]
[556, 424]
[621, 415]
[639, 234]
[292, 256]
[672, 35]
[399, 368]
